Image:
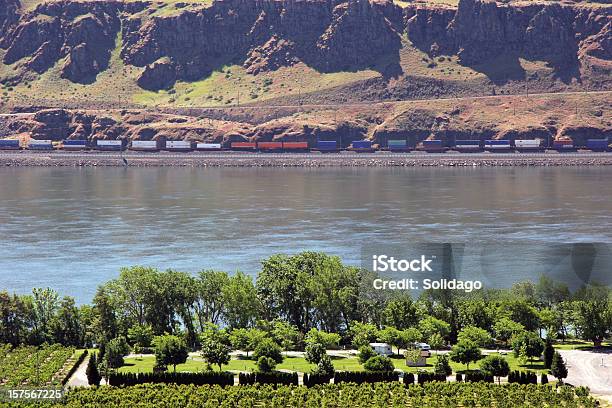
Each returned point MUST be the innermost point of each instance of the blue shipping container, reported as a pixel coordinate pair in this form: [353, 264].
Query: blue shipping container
[498, 142]
[327, 145]
[75, 142]
[468, 142]
[362, 144]
[9, 144]
[432, 143]
[599, 144]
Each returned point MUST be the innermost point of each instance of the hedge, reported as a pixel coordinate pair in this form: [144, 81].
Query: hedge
[204, 378]
[310, 380]
[274, 377]
[360, 377]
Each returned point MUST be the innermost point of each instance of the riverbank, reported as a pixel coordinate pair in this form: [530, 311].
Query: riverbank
[233, 159]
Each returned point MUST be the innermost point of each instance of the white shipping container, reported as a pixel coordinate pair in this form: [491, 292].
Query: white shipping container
[40, 142]
[144, 144]
[109, 143]
[210, 146]
[527, 143]
[178, 144]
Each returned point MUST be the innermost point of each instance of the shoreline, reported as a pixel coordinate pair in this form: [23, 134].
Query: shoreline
[308, 160]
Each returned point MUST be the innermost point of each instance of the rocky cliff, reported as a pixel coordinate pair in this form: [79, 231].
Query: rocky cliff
[189, 41]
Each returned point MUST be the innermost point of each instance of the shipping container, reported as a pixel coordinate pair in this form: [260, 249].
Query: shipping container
[178, 146]
[270, 146]
[398, 146]
[74, 144]
[564, 145]
[40, 145]
[362, 146]
[111, 145]
[208, 146]
[433, 146]
[597, 145]
[295, 146]
[526, 145]
[497, 145]
[145, 145]
[9, 144]
[467, 145]
[244, 146]
[327, 145]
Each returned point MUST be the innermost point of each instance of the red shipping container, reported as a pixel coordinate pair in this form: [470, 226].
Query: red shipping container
[270, 145]
[243, 145]
[295, 145]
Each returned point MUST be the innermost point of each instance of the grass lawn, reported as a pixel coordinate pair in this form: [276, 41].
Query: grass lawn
[145, 364]
[580, 345]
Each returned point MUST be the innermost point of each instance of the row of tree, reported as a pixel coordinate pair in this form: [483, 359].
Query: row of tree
[292, 295]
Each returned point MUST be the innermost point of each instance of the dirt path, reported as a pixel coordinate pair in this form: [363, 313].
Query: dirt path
[585, 368]
[79, 378]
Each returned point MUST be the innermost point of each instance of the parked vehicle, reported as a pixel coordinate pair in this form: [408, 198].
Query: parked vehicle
[383, 349]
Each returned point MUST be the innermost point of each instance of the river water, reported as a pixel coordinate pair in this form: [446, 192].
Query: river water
[73, 228]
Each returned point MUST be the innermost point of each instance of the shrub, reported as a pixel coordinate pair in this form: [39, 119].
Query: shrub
[314, 352]
[408, 378]
[544, 379]
[312, 379]
[549, 353]
[558, 368]
[204, 378]
[325, 366]
[266, 364]
[495, 365]
[268, 348]
[459, 377]
[379, 363]
[365, 353]
[442, 366]
[93, 375]
[360, 377]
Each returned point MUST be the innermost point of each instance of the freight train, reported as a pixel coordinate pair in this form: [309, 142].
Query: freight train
[323, 146]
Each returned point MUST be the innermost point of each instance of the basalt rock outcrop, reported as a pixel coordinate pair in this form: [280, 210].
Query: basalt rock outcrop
[190, 40]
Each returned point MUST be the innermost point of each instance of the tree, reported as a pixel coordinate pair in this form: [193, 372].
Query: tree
[141, 335]
[114, 351]
[170, 350]
[210, 303]
[549, 353]
[66, 325]
[241, 302]
[104, 324]
[465, 352]
[481, 337]
[431, 325]
[411, 335]
[365, 352]
[314, 353]
[268, 348]
[45, 303]
[214, 352]
[285, 334]
[379, 363]
[215, 346]
[442, 366]
[393, 337]
[495, 365]
[325, 366]
[15, 312]
[363, 334]
[246, 339]
[558, 368]
[534, 346]
[506, 328]
[266, 364]
[92, 373]
[401, 312]
[328, 340]
[595, 318]
[435, 341]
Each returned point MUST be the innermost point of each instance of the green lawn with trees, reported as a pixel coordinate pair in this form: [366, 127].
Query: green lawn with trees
[306, 302]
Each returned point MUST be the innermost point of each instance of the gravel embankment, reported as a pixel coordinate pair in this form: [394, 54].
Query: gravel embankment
[296, 160]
